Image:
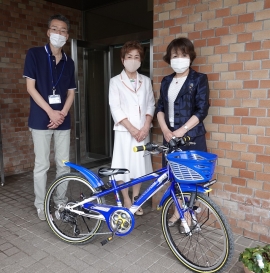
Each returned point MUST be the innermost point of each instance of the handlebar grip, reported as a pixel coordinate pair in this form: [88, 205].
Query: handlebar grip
[147, 147]
[139, 148]
[183, 140]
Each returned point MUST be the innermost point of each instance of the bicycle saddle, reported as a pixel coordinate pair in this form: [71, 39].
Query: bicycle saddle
[111, 171]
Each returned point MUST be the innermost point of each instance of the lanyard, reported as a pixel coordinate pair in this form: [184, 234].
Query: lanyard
[50, 64]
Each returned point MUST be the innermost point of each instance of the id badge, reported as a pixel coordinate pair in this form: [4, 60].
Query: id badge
[54, 99]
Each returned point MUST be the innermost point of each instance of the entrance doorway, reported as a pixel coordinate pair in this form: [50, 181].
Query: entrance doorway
[91, 115]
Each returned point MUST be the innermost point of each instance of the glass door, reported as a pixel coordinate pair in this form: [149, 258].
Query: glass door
[92, 134]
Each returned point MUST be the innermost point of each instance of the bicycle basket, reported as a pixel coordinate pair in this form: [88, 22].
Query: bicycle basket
[192, 166]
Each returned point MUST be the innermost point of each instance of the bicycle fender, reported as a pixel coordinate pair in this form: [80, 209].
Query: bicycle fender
[184, 188]
[91, 177]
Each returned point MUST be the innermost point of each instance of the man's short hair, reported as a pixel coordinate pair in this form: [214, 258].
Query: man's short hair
[59, 17]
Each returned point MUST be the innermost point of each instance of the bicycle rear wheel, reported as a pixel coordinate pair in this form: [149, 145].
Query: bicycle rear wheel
[209, 247]
[70, 189]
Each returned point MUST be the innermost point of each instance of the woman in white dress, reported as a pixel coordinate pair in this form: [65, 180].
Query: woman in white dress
[132, 107]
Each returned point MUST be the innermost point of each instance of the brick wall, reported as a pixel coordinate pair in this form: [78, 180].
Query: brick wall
[231, 39]
[23, 25]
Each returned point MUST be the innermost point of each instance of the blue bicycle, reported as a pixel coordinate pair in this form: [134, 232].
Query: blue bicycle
[201, 239]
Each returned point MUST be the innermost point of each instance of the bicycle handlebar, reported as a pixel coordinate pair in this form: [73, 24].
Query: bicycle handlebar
[173, 144]
[147, 147]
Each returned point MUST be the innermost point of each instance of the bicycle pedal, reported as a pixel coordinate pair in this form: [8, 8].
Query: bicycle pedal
[104, 242]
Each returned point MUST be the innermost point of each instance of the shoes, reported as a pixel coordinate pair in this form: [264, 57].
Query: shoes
[57, 215]
[181, 229]
[127, 204]
[139, 211]
[41, 214]
[173, 220]
[59, 208]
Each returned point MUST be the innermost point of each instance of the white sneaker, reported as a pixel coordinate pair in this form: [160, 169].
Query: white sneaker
[41, 214]
[59, 208]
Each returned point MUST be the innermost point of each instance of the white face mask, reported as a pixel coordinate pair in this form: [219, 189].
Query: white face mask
[57, 40]
[132, 65]
[180, 65]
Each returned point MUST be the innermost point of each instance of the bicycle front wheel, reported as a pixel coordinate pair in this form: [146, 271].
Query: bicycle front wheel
[71, 188]
[209, 247]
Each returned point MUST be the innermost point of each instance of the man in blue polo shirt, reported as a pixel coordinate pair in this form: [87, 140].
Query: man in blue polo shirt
[49, 74]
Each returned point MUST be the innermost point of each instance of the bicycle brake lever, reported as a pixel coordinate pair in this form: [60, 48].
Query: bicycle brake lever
[146, 154]
[155, 152]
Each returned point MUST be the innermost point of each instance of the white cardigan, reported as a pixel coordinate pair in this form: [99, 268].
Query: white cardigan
[125, 102]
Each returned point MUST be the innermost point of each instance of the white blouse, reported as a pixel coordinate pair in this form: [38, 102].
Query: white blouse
[173, 92]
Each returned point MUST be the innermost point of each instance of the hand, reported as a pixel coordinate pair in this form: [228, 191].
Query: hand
[56, 117]
[168, 135]
[52, 125]
[63, 113]
[134, 132]
[180, 132]
[143, 133]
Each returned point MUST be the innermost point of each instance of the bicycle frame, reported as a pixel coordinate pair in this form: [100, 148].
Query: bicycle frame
[161, 176]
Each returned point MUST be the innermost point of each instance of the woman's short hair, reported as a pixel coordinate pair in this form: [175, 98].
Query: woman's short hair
[180, 44]
[129, 46]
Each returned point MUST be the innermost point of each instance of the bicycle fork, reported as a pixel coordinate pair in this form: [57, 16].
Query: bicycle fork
[190, 209]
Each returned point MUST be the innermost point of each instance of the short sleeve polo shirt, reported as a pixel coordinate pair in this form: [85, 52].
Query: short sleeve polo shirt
[37, 67]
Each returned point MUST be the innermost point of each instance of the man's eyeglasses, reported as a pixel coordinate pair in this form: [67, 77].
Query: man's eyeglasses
[60, 31]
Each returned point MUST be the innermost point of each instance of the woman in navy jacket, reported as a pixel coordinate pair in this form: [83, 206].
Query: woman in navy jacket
[184, 99]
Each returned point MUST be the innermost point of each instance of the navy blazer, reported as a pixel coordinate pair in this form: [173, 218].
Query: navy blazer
[192, 99]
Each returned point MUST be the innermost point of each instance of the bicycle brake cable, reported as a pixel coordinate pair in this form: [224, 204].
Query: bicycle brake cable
[181, 193]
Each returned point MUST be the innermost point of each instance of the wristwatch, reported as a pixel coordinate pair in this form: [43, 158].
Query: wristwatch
[185, 127]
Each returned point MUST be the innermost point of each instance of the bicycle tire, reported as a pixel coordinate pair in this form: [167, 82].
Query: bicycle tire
[210, 247]
[65, 228]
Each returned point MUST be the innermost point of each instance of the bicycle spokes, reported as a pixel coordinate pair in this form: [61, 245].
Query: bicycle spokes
[209, 244]
[69, 225]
